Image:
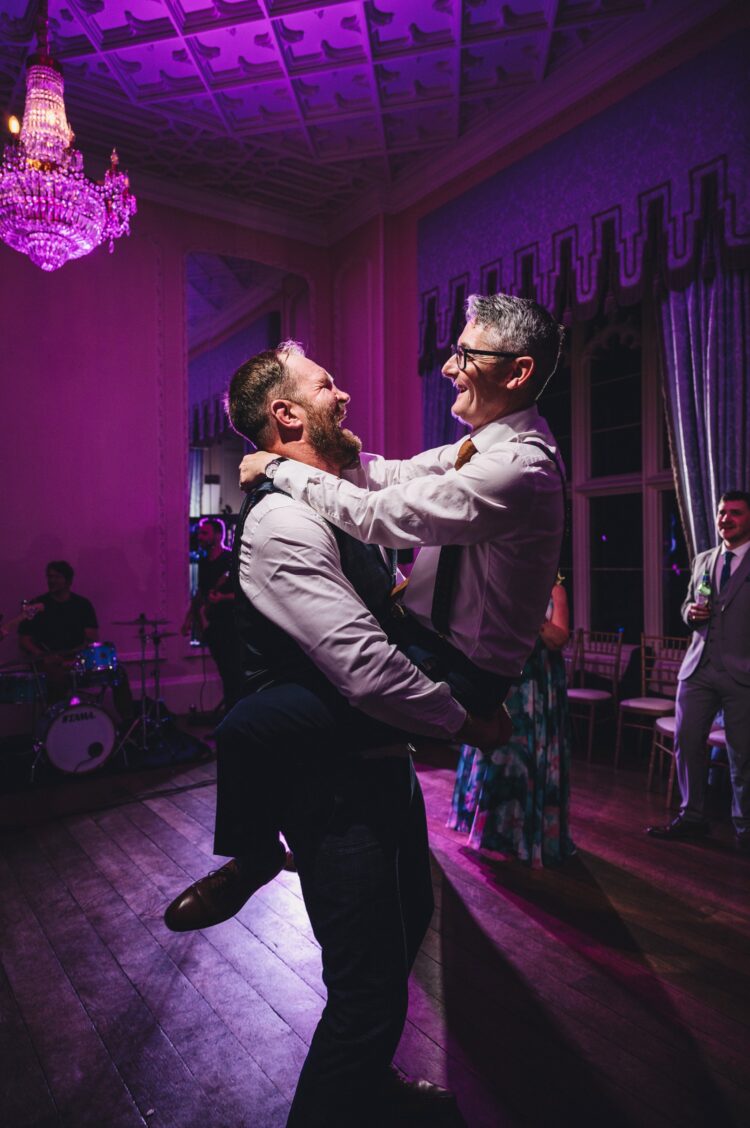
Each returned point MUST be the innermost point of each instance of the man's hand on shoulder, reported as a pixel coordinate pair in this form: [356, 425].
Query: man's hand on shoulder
[253, 468]
[486, 733]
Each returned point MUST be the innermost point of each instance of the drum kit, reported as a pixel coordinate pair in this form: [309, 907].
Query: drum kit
[77, 734]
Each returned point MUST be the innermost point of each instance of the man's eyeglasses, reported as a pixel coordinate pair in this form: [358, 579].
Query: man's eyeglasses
[462, 355]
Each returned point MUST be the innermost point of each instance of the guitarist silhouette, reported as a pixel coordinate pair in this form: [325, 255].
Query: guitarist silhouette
[210, 616]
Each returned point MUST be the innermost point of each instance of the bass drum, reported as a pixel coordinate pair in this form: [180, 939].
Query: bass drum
[77, 738]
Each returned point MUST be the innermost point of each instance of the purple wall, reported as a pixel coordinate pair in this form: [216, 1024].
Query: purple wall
[94, 403]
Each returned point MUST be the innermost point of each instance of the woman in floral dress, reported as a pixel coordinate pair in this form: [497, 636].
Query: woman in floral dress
[515, 800]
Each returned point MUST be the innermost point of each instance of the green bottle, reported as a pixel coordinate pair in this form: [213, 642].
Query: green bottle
[703, 591]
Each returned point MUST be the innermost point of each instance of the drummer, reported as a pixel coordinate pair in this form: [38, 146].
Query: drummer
[66, 623]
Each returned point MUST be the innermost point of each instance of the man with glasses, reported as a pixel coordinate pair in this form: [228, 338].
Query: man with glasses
[487, 513]
[319, 751]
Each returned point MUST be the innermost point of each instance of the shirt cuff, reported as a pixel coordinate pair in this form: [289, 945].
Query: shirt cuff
[292, 477]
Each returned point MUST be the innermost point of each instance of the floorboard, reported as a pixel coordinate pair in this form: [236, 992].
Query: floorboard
[614, 991]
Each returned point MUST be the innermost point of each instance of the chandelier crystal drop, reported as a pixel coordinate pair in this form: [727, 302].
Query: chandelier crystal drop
[49, 210]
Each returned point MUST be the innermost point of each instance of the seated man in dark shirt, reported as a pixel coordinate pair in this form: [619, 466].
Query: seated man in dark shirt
[66, 623]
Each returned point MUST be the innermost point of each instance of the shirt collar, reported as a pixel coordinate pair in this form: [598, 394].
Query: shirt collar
[516, 427]
[737, 552]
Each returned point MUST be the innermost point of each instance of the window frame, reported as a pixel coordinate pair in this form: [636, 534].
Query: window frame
[651, 481]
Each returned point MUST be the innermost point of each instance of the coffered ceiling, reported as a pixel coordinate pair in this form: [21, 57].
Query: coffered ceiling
[310, 109]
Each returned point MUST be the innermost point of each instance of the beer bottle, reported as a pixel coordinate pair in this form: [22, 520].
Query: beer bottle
[703, 591]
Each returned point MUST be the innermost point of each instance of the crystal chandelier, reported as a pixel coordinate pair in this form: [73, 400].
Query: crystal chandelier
[49, 210]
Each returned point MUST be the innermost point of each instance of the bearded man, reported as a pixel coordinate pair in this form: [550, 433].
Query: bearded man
[333, 698]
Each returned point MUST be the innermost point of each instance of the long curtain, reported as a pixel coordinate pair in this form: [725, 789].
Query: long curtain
[705, 342]
[195, 476]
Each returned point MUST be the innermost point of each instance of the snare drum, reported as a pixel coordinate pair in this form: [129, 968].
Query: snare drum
[96, 664]
[21, 687]
[77, 738]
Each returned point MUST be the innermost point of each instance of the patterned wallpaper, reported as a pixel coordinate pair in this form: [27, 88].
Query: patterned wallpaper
[576, 218]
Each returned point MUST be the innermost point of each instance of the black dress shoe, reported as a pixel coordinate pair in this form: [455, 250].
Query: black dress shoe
[402, 1101]
[220, 894]
[680, 827]
[403, 1090]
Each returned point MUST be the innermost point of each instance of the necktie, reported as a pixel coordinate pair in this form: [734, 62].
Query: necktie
[466, 451]
[726, 571]
[447, 569]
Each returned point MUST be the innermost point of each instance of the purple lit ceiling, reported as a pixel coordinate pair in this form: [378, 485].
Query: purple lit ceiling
[307, 107]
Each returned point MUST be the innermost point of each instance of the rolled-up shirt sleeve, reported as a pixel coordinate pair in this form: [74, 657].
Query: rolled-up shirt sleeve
[291, 571]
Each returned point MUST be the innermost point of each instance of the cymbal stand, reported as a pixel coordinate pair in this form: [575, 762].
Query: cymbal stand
[141, 720]
[156, 638]
[40, 702]
[149, 715]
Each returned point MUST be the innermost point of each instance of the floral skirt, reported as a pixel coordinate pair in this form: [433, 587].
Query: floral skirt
[515, 800]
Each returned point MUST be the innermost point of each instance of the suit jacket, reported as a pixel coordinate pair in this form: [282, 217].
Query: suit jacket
[730, 618]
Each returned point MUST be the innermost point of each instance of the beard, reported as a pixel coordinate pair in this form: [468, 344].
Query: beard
[337, 444]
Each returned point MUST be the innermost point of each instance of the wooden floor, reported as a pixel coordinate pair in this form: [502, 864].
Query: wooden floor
[615, 992]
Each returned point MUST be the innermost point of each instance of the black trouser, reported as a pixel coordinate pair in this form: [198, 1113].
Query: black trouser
[357, 828]
[288, 758]
[258, 741]
[262, 730]
[360, 844]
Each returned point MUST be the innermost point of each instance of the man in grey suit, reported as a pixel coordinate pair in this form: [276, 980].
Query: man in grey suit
[715, 674]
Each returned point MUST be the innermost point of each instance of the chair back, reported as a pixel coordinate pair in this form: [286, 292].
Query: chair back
[600, 653]
[661, 658]
[570, 656]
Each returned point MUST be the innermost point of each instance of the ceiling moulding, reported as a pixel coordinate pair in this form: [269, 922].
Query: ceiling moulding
[627, 56]
[619, 53]
[215, 206]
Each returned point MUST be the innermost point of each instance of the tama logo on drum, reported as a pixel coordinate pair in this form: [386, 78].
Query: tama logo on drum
[86, 715]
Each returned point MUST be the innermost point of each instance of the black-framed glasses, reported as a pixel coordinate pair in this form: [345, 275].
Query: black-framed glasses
[462, 355]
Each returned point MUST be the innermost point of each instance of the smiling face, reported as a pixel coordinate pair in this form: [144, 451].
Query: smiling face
[323, 408]
[482, 392]
[733, 522]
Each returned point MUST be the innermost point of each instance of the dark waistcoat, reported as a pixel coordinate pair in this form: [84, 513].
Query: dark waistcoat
[270, 655]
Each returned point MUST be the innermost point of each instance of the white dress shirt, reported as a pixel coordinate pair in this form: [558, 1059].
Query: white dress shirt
[290, 569]
[505, 506]
[737, 555]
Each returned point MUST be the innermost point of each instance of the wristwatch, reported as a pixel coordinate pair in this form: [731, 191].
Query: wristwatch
[273, 466]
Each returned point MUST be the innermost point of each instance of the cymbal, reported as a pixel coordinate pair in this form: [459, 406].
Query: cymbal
[141, 621]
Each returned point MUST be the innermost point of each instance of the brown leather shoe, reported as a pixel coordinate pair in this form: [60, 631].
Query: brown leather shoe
[220, 894]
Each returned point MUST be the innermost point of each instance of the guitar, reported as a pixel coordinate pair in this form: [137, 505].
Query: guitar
[28, 611]
[198, 614]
